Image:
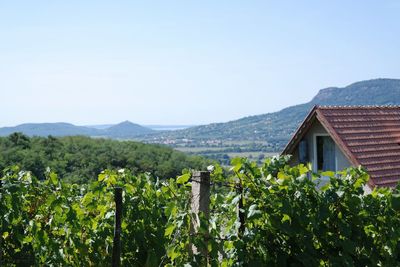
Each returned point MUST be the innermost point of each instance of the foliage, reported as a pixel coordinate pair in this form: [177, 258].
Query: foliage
[290, 222]
[79, 158]
[56, 223]
[269, 215]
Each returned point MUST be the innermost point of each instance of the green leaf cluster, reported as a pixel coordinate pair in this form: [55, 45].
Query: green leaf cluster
[269, 215]
[79, 159]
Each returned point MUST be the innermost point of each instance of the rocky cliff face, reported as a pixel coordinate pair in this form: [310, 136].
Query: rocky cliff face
[371, 92]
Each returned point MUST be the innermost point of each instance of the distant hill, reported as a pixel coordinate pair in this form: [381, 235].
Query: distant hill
[123, 130]
[126, 130]
[45, 129]
[276, 128]
[267, 132]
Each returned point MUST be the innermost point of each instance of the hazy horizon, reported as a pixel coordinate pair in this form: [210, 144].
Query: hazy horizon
[181, 63]
[107, 125]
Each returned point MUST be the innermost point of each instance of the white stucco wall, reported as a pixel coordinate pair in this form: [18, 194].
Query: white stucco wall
[317, 129]
[341, 161]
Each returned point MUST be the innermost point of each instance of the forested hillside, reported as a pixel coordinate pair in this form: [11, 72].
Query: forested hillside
[79, 158]
[274, 129]
[254, 136]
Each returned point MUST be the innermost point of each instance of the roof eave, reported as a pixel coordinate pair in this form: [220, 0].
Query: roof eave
[300, 132]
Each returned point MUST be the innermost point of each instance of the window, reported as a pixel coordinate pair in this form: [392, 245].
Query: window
[325, 153]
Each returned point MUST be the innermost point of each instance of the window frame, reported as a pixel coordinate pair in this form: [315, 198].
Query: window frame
[315, 151]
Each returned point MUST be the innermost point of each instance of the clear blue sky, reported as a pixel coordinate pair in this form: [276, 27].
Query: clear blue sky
[185, 62]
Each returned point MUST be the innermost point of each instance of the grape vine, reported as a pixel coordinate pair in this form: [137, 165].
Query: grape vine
[271, 215]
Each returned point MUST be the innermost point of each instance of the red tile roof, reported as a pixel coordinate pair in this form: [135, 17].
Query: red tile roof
[367, 135]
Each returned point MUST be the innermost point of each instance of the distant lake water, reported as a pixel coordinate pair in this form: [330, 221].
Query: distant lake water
[153, 127]
[168, 127]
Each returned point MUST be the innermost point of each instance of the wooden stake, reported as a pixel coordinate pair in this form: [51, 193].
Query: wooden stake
[200, 202]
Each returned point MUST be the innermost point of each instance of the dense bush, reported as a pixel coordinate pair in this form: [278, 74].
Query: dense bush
[55, 223]
[79, 159]
[283, 220]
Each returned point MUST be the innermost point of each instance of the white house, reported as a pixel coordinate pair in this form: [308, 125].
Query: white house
[337, 137]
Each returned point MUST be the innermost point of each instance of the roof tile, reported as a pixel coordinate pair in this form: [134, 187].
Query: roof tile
[372, 135]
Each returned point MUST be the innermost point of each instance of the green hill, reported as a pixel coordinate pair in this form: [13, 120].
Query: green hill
[126, 130]
[271, 131]
[45, 129]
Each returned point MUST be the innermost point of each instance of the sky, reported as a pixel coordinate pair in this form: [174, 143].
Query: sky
[185, 62]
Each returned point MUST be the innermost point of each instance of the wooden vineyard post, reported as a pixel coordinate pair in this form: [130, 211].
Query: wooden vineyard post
[200, 203]
[116, 254]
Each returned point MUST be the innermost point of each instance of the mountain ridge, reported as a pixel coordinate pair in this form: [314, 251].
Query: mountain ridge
[276, 128]
[125, 129]
[264, 132]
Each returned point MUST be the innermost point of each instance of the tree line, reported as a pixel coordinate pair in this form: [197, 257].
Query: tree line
[79, 158]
